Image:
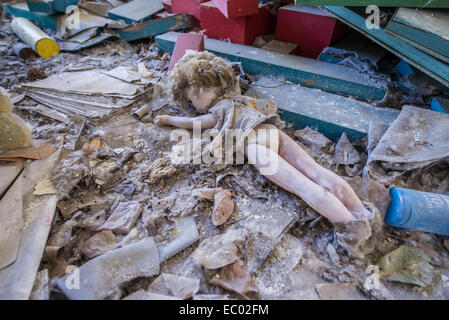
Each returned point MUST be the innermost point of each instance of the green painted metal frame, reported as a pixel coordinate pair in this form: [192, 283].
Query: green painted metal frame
[307, 72]
[380, 3]
[415, 57]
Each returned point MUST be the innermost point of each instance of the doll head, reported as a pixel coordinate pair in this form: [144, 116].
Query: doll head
[200, 79]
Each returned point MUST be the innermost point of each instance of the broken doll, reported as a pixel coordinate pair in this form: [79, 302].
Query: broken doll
[208, 83]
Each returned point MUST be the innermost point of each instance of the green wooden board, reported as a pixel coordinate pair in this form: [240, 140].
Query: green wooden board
[380, 3]
[50, 6]
[136, 11]
[415, 57]
[427, 30]
[307, 72]
[41, 19]
[44, 6]
[155, 27]
[325, 112]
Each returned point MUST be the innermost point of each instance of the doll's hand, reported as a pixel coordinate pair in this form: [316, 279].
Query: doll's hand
[161, 120]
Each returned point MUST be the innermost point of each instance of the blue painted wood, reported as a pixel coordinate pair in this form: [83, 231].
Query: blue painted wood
[43, 6]
[404, 68]
[325, 112]
[61, 5]
[440, 105]
[326, 58]
[420, 29]
[157, 26]
[304, 71]
[41, 19]
[50, 6]
[415, 57]
[136, 11]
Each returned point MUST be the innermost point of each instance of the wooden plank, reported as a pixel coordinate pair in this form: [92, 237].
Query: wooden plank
[328, 113]
[308, 72]
[186, 41]
[155, 27]
[61, 5]
[41, 19]
[415, 57]
[44, 6]
[50, 6]
[425, 29]
[136, 11]
[380, 3]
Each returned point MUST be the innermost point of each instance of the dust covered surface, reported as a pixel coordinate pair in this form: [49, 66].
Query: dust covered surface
[115, 171]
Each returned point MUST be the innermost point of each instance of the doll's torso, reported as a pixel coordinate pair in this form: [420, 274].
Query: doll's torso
[241, 114]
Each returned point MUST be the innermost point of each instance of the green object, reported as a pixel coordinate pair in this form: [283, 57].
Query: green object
[41, 19]
[50, 6]
[61, 5]
[380, 3]
[136, 11]
[155, 27]
[328, 113]
[415, 57]
[307, 72]
[426, 30]
[408, 265]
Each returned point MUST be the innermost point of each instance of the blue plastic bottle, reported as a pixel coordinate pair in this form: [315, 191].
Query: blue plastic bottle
[418, 210]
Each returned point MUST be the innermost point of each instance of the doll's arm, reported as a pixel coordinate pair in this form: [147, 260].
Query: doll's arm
[207, 121]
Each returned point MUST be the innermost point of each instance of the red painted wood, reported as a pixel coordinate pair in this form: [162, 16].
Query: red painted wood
[167, 5]
[237, 8]
[311, 28]
[242, 30]
[186, 41]
[191, 7]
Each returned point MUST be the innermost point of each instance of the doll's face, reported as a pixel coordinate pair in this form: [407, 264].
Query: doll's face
[202, 101]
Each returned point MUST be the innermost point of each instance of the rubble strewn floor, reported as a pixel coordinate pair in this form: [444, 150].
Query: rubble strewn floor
[117, 187]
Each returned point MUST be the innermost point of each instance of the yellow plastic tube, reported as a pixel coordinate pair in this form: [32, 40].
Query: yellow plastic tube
[37, 39]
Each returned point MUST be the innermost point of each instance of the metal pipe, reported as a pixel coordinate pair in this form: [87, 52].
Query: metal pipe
[142, 111]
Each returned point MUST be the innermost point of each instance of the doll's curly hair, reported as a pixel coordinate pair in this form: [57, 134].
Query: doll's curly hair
[201, 70]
